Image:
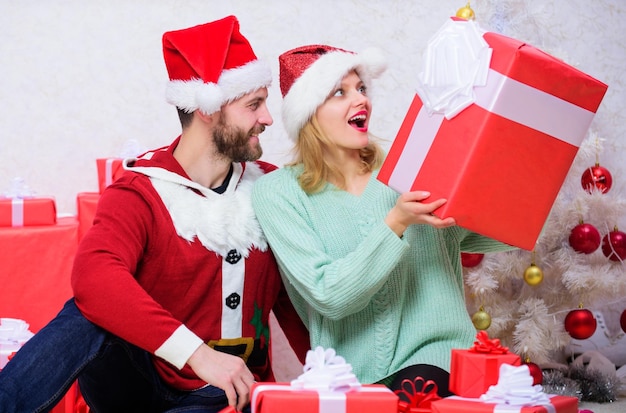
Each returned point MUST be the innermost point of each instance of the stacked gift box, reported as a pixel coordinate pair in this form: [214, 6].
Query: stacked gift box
[487, 377]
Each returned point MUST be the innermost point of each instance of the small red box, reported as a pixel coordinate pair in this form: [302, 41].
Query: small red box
[31, 211]
[471, 373]
[501, 161]
[109, 170]
[558, 404]
[281, 397]
[86, 203]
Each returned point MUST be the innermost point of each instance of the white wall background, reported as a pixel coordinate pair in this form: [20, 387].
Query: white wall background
[78, 79]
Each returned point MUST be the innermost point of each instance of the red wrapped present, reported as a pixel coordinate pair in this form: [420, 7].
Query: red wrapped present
[86, 203]
[282, 397]
[473, 371]
[558, 404]
[35, 269]
[499, 146]
[416, 396]
[326, 386]
[28, 211]
[109, 170]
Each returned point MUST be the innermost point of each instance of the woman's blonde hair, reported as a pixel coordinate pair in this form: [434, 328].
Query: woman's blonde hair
[309, 151]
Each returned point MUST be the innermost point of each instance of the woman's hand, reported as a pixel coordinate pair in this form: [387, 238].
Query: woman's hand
[410, 209]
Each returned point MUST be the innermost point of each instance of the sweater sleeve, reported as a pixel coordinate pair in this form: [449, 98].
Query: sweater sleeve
[104, 285]
[334, 287]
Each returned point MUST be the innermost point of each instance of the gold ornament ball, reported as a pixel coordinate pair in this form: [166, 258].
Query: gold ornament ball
[481, 320]
[466, 12]
[533, 275]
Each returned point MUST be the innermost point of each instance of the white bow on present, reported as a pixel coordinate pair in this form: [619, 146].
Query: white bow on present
[456, 60]
[515, 388]
[325, 370]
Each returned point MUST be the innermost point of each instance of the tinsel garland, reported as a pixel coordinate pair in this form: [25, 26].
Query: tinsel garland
[587, 385]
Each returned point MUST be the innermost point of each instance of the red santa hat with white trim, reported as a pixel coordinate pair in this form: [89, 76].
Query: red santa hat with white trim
[211, 64]
[308, 74]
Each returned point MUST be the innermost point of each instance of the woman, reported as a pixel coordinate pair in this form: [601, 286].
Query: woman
[373, 274]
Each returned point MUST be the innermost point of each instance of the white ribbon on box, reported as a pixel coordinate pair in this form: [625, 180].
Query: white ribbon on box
[515, 390]
[17, 192]
[456, 75]
[455, 61]
[326, 373]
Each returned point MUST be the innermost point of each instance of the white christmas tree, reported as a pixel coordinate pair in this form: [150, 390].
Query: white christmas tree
[528, 294]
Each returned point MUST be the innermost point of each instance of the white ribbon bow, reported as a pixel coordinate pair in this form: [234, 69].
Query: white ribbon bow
[18, 189]
[456, 60]
[515, 387]
[325, 370]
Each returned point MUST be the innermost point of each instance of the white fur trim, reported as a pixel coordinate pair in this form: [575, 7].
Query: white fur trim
[311, 89]
[194, 94]
[221, 222]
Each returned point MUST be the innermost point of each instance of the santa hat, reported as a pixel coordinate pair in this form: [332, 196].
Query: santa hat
[309, 73]
[211, 64]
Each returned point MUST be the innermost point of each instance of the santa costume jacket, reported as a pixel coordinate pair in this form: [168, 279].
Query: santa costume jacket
[170, 264]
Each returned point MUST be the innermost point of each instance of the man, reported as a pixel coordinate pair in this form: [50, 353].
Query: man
[174, 283]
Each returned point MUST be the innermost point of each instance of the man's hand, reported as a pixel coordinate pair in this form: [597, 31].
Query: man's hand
[225, 371]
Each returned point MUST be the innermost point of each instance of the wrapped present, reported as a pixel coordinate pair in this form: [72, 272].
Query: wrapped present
[472, 371]
[86, 203]
[20, 207]
[110, 169]
[513, 393]
[416, 396]
[326, 386]
[494, 128]
[557, 404]
[35, 269]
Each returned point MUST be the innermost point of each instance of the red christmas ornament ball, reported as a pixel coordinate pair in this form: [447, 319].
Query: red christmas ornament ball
[580, 324]
[614, 245]
[469, 259]
[584, 238]
[622, 321]
[535, 372]
[596, 176]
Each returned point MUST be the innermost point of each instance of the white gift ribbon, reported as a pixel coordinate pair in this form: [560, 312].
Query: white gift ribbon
[325, 370]
[456, 60]
[17, 212]
[18, 191]
[108, 171]
[515, 390]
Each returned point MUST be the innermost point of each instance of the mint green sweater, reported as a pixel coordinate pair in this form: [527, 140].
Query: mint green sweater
[382, 302]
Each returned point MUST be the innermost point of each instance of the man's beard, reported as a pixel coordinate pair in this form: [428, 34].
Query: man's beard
[233, 142]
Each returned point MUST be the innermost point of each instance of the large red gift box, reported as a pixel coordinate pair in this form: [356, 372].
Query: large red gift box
[472, 371]
[29, 211]
[109, 170]
[502, 160]
[281, 397]
[558, 404]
